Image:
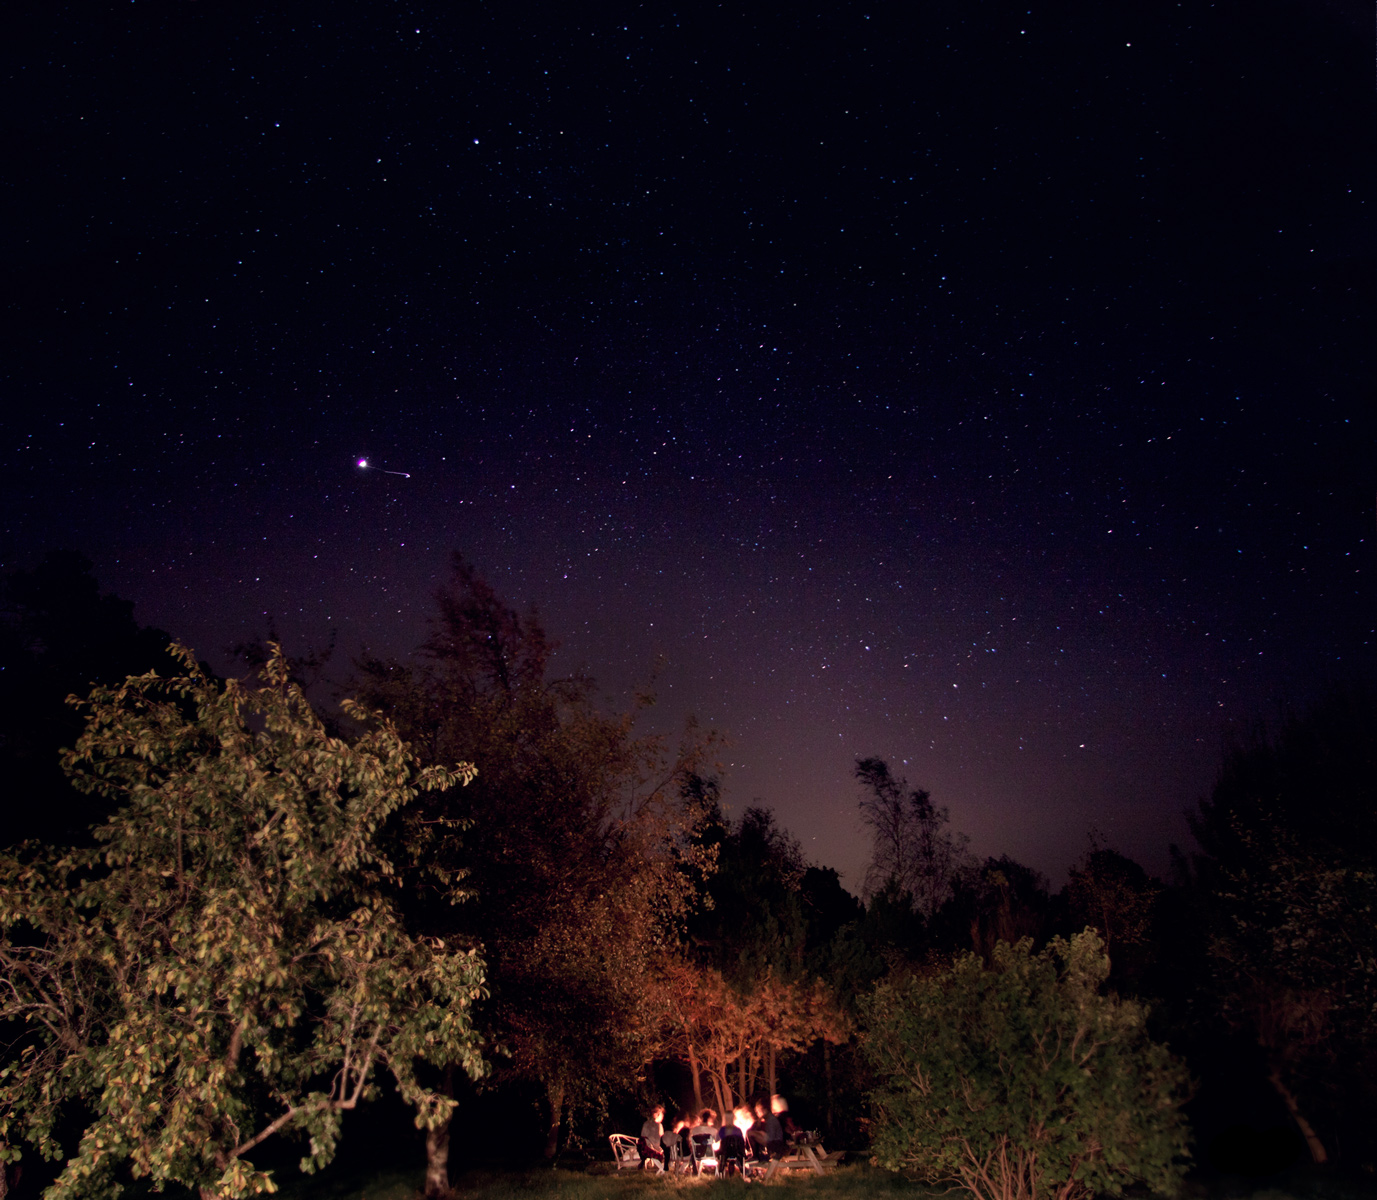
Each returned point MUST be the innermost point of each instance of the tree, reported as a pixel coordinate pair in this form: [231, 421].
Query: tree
[730, 1033]
[753, 922]
[227, 963]
[1008, 902]
[58, 635]
[1288, 877]
[572, 839]
[1114, 895]
[1111, 894]
[1020, 1080]
[911, 847]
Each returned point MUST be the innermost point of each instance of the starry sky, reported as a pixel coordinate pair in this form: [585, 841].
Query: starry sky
[984, 387]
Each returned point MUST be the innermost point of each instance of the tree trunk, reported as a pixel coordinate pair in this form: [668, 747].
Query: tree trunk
[437, 1161]
[723, 1090]
[555, 1093]
[1312, 1139]
[697, 1073]
[437, 1149]
[773, 1086]
[827, 1073]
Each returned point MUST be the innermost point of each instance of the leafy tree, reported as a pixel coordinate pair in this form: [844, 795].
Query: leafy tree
[828, 907]
[911, 847]
[1019, 1079]
[1289, 880]
[58, 635]
[754, 922]
[1111, 894]
[571, 848]
[731, 1033]
[1008, 903]
[226, 964]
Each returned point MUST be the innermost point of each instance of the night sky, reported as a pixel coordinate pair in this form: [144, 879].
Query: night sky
[981, 387]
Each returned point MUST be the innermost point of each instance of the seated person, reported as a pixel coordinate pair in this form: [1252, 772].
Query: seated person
[755, 1136]
[707, 1123]
[648, 1144]
[703, 1137]
[672, 1141]
[773, 1134]
[732, 1143]
[779, 1106]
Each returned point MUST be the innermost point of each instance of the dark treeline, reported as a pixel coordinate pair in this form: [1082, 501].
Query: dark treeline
[641, 944]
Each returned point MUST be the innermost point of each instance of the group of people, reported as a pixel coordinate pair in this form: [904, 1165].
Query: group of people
[746, 1133]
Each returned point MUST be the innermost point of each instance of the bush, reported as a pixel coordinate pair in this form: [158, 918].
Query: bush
[1020, 1080]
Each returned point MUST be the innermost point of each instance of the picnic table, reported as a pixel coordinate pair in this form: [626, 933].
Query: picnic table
[804, 1156]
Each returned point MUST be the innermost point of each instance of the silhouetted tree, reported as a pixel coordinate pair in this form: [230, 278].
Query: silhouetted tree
[1111, 894]
[568, 845]
[59, 636]
[1288, 877]
[754, 921]
[911, 846]
[1010, 903]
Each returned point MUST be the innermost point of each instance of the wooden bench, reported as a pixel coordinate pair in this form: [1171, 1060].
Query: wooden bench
[804, 1158]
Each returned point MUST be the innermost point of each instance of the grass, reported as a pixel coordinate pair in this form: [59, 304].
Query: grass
[845, 1183]
[850, 1183]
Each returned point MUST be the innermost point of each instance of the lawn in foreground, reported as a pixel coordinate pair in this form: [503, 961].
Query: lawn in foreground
[850, 1183]
[846, 1183]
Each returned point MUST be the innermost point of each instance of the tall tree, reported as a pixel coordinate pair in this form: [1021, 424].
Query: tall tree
[571, 845]
[1111, 894]
[1115, 896]
[753, 922]
[911, 846]
[227, 963]
[59, 635]
[1008, 903]
[1289, 872]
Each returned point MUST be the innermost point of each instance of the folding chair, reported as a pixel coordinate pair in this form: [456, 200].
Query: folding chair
[624, 1151]
[732, 1154]
[704, 1157]
[674, 1156]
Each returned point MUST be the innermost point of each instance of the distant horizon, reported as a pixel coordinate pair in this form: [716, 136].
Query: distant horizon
[850, 862]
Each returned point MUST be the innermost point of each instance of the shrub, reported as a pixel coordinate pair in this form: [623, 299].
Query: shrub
[1020, 1080]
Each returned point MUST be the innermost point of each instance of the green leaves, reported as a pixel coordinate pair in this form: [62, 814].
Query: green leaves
[225, 964]
[1020, 1079]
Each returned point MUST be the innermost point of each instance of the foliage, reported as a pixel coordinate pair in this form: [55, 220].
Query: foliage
[725, 1031]
[912, 852]
[58, 635]
[1020, 1080]
[225, 964]
[1289, 872]
[1004, 901]
[1113, 895]
[573, 839]
[754, 922]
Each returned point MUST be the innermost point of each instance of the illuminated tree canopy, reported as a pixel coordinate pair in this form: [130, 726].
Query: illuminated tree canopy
[226, 964]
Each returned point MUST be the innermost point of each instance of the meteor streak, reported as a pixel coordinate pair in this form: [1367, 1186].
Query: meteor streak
[364, 464]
